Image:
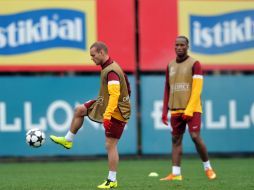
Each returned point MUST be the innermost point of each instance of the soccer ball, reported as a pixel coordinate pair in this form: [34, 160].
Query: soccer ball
[35, 138]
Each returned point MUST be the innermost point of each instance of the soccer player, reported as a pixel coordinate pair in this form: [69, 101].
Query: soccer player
[183, 87]
[112, 108]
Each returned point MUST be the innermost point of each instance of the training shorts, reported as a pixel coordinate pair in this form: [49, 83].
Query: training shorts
[178, 125]
[116, 128]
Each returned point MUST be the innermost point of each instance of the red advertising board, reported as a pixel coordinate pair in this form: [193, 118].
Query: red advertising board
[116, 27]
[56, 35]
[158, 29]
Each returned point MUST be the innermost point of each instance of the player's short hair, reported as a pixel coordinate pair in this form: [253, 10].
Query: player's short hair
[184, 37]
[99, 46]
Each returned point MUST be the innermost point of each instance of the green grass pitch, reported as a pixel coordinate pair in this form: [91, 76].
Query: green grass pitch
[233, 174]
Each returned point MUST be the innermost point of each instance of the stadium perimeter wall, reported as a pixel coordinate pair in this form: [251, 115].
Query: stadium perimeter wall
[48, 103]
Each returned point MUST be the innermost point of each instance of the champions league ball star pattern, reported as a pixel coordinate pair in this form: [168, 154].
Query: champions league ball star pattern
[35, 138]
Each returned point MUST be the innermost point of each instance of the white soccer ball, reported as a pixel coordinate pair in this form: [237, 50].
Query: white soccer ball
[35, 138]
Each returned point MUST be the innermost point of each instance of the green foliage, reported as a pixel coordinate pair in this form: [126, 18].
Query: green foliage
[233, 174]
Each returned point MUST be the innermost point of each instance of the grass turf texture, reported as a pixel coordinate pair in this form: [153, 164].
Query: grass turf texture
[233, 174]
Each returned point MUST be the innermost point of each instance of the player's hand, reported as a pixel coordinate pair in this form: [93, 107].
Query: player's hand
[186, 117]
[165, 119]
[106, 124]
[89, 103]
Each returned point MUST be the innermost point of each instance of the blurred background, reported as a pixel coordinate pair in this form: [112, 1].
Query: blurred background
[46, 69]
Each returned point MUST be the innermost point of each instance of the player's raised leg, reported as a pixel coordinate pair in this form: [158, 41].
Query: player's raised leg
[76, 124]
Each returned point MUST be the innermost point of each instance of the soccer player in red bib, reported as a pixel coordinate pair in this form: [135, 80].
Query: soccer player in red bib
[183, 87]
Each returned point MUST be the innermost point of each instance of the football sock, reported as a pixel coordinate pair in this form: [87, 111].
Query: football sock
[69, 136]
[176, 170]
[112, 175]
[207, 165]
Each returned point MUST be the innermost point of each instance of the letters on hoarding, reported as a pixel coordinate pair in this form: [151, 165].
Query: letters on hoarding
[43, 29]
[221, 33]
[46, 34]
[56, 35]
[231, 121]
[53, 113]
[49, 120]
[228, 115]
